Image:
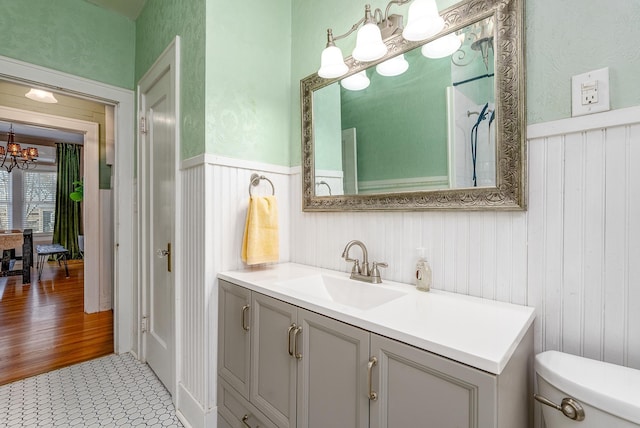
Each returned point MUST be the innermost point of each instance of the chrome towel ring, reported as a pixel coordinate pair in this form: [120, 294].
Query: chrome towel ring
[255, 180]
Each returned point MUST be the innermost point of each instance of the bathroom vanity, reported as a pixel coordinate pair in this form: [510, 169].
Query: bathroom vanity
[306, 347]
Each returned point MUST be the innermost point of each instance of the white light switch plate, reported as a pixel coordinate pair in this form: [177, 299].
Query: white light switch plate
[590, 92]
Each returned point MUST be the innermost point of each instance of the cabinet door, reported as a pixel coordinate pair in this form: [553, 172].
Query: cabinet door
[273, 369]
[332, 381]
[420, 389]
[234, 314]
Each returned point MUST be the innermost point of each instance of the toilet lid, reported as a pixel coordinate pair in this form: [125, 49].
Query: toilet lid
[608, 387]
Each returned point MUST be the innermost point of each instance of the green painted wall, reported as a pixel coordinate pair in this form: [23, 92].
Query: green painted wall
[399, 136]
[72, 36]
[157, 25]
[248, 80]
[327, 129]
[563, 38]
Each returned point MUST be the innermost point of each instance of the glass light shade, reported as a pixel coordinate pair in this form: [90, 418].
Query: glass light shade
[14, 149]
[41, 96]
[25, 154]
[393, 67]
[332, 63]
[33, 152]
[356, 82]
[2, 152]
[423, 21]
[444, 46]
[369, 44]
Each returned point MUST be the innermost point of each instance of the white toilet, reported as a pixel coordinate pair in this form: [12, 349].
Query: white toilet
[609, 395]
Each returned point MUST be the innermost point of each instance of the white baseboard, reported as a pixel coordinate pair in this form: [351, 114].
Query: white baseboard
[191, 413]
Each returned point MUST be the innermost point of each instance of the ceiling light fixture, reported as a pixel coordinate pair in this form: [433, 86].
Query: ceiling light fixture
[41, 96]
[423, 22]
[15, 156]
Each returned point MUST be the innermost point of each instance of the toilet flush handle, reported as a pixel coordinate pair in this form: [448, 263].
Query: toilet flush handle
[569, 407]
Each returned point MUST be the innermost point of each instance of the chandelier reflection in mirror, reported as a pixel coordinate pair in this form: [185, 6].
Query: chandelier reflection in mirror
[423, 22]
[13, 156]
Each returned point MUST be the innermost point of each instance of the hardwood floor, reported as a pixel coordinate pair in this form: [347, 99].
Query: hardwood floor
[43, 325]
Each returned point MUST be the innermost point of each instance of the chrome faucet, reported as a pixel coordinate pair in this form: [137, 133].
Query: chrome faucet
[363, 273]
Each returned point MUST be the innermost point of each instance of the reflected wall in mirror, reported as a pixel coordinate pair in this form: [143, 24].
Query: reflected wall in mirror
[388, 137]
[448, 132]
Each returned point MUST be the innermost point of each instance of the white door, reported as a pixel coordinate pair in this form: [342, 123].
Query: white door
[157, 196]
[350, 161]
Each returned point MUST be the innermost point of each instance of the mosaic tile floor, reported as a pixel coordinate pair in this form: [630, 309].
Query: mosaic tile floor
[112, 391]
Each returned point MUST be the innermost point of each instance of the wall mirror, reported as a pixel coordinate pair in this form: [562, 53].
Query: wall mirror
[447, 133]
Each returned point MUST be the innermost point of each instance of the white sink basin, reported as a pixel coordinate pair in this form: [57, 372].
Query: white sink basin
[348, 292]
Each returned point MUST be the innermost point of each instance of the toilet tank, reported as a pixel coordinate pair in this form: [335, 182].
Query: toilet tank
[609, 393]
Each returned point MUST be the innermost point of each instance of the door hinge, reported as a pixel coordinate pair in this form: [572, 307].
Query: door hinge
[144, 325]
[143, 125]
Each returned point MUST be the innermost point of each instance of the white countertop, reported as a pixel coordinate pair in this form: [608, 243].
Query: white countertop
[478, 332]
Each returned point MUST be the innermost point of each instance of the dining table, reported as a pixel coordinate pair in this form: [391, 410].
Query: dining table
[10, 240]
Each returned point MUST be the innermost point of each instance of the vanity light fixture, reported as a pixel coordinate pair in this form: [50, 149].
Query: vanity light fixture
[393, 67]
[443, 46]
[423, 22]
[41, 96]
[15, 156]
[356, 82]
[483, 40]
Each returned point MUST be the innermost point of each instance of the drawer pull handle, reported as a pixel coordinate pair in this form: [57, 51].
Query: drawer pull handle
[373, 396]
[245, 418]
[292, 327]
[569, 407]
[245, 310]
[297, 331]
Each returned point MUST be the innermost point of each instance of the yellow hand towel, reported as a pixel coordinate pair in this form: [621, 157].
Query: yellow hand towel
[260, 243]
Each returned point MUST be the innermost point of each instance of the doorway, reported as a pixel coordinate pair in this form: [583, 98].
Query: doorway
[125, 244]
[56, 320]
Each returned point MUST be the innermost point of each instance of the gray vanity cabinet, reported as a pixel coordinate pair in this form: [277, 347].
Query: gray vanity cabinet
[273, 369]
[419, 389]
[332, 373]
[233, 342]
[284, 366]
[305, 370]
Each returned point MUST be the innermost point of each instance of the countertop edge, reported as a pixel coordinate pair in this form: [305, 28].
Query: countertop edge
[458, 355]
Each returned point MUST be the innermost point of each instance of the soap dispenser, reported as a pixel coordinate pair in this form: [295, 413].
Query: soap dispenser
[423, 272]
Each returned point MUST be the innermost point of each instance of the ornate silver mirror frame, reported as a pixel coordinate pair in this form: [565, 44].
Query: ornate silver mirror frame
[510, 191]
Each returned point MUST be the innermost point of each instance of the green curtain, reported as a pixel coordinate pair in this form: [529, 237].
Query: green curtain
[68, 224]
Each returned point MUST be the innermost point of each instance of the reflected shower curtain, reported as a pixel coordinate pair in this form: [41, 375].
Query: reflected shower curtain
[68, 215]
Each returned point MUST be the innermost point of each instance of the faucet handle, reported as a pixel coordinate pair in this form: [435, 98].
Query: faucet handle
[356, 265]
[375, 272]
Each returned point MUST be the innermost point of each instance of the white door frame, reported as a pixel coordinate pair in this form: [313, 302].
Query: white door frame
[168, 61]
[123, 100]
[91, 217]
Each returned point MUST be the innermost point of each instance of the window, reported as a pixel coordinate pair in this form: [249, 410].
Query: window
[28, 199]
[39, 201]
[5, 200]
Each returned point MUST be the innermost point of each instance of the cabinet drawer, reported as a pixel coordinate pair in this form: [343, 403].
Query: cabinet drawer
[238, 412]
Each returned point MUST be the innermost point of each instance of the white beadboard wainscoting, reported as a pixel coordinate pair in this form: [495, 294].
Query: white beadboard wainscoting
[574, 255]
[215, 194]
[584, 235]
